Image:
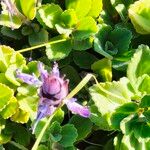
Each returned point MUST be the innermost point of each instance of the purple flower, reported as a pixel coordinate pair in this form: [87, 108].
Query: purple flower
[53, 89]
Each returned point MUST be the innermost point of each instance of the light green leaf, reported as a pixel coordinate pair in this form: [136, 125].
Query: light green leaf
[69, 135]
[4, 138]
[63, 30]
[86, 27]
[83, 126]
[5, 55]
[38, 38]
[84, 59]
[42, 147]
[139, 13]
[49, 15]
[11, 76]
[69, 18]
[21, 116]
[138, 65]
[59, 50]
[5, 96]
[128, 143]
[10, 109]
[103, 68]
[28, 8]
[110, 95]
[96, 8]
[77, 5]
[14, 23]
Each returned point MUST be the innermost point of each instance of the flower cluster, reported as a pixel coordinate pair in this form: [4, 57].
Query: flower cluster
[53, 89]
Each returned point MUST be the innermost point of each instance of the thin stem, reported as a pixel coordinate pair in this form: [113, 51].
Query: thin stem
[41, 45]
[18, 145]
[95, 144]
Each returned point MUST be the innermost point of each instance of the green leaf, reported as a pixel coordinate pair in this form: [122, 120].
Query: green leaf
[138, 65]
[99, 120]
[21, 134]
[28, 9]
[59, 50]
[69, 18]
[21, 116]
[63, 30]
[86, 27]
[2, 124]
[5, 96]
[14, 34]
[77, 5]
[83, 44]
[72, 75]
[69, 135]
[4, 138]
[38, 38]
[10, 109]
[59, 116]
[122, 112]
[55, 132]
[84, 59]
[96, 8]
[120, 8]
[28, 100]
[145, 101]
[14, 22]
[42, 147]
[100, 39]
[103, 68]
[49, 15]
[83, 126]
[129, 142]
[143, 84]
[121, 38]
[26, 30]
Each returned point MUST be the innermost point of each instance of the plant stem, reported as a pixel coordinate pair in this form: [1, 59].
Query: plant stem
[41, 45]
[18, 145]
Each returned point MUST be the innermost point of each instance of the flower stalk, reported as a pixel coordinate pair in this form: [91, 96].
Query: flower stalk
[41, 45]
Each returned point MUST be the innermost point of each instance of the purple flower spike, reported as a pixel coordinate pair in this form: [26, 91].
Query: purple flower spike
[53, 89]
[29, 79]
[77, 108]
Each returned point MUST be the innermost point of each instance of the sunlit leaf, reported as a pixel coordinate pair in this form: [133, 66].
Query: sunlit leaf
[5, 96]
[10, 109]
[59, 50]
[49, 15]
[77, 5]
[28, 8]
[86, 27]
